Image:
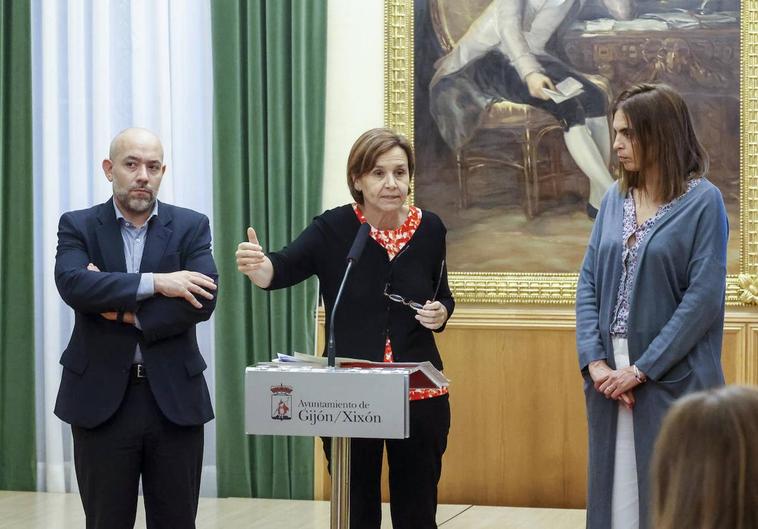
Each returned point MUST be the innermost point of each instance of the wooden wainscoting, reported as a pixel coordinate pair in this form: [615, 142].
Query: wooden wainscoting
[519, 434]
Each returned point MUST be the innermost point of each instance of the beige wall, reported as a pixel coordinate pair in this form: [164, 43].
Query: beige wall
[355, 86]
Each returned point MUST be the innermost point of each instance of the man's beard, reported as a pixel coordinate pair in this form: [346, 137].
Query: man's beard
[134, 204]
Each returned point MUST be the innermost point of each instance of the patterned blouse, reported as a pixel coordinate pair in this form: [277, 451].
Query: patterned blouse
[393, 241]
[629, 255]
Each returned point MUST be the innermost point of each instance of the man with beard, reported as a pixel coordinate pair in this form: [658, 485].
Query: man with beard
[139, 275]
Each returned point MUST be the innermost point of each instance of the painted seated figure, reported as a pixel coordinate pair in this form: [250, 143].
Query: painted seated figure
[502, 58]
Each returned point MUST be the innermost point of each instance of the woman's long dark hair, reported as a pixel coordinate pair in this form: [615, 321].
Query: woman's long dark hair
[662, 136]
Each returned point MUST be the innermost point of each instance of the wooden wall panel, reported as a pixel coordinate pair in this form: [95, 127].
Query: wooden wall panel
[518, 418]
[734, 351]
[519, 434]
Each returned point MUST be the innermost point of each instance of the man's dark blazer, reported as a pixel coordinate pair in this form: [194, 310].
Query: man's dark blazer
[97, 360]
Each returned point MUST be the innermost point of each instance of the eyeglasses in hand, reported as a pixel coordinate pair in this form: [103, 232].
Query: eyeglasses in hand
[415, 305]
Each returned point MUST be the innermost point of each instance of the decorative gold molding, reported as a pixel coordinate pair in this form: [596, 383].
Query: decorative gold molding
[398, 68]
[398, 65]
[749, 287]
[734, 355]
[748, 158]
[545, 288]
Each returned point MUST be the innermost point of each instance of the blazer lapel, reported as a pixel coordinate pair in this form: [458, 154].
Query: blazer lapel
[158, 235]
[109, 239]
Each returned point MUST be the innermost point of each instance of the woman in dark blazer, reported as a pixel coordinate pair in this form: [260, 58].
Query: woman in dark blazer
[398, 295]
[650, 298]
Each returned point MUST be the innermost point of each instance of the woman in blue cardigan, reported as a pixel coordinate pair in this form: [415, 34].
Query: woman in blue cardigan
[650, 298]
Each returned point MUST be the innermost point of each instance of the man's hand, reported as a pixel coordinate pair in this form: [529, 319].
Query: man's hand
[184, 284]
[536, 81]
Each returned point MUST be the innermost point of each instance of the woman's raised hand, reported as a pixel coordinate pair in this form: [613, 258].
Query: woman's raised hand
[252, 262]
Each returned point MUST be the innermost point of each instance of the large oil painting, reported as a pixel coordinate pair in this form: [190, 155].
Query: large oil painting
[516, 183]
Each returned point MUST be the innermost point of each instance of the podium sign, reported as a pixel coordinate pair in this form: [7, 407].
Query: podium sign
[329, 402]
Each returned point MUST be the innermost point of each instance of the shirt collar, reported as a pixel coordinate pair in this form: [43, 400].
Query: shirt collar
[120, 216]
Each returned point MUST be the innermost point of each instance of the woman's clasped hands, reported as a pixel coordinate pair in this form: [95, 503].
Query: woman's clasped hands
[616, 384]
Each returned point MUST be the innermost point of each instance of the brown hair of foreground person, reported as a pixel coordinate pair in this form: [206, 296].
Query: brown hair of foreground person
[705, 465]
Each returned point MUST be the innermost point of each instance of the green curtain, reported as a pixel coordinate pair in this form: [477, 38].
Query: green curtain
[17, 433]
[269, 94]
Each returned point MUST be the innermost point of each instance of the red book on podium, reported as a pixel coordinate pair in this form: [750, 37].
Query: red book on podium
[423, 374]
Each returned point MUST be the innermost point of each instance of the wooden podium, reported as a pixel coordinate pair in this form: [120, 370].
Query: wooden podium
[342, 403]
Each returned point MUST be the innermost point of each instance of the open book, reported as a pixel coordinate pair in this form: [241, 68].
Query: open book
[564, 90]
[423, 374]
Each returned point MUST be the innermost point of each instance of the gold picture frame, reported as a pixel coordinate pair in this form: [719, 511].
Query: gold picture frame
[560, 288]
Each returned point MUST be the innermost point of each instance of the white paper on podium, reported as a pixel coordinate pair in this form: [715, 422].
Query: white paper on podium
[330, 402]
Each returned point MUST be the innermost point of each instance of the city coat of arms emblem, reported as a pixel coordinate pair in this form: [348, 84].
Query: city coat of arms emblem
[281, 402]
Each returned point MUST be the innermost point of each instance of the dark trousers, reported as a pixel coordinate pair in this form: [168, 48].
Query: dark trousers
[415, 465]
[139, 441]
[496, 77]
